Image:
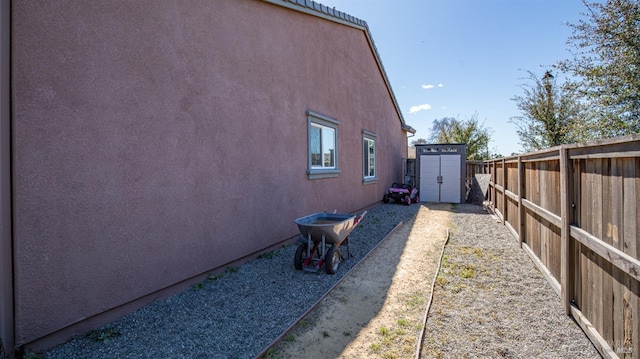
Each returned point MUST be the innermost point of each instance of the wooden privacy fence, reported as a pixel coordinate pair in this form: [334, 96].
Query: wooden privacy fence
[575, 211]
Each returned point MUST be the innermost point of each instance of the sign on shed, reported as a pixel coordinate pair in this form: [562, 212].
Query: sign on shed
[441, 170]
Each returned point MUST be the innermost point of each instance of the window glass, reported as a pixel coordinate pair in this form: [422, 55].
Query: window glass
[322, 146]
[329, 147]
[315, 145]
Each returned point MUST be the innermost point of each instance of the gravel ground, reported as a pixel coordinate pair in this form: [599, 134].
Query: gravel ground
[233, 316]
[491, 301]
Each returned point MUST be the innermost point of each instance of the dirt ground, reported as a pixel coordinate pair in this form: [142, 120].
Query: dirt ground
[377, 311]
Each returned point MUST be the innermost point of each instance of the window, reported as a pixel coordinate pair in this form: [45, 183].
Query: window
[369, 156]
[323, 146]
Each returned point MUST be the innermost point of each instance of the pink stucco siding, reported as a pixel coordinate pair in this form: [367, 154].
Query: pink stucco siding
[154, 141]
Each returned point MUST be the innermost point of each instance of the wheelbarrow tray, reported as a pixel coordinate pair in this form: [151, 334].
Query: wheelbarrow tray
[335, 227]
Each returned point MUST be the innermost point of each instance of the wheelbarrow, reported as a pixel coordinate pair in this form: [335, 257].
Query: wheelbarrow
[322, 235]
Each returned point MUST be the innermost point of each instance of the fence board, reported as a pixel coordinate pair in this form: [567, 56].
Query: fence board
[578, 181]
[608, 274]
[533, 196]
[543, 180]
[631, 234]
[616, 238]
[553, 200]
[596, 229]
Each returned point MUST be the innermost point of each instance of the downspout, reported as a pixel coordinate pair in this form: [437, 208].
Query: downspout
[7, 317]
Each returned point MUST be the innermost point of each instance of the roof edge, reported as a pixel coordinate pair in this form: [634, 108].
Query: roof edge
[316, 9]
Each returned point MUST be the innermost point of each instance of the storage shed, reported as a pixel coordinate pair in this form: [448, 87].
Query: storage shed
[440, 171]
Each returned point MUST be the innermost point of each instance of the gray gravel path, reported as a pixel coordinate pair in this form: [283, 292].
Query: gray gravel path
[236, 315]
[490, 301]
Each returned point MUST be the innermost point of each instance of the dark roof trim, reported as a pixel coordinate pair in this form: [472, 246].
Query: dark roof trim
[316, 9]
[313, 8]
[408, 128]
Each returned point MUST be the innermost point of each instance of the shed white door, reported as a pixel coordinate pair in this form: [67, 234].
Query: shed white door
[429, 172]
[440, 178]
[450, 172]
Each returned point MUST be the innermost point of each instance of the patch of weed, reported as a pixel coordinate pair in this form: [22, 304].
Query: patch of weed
[416, 299]
[458, 288]
[104, 335]
[384, 331]
[441, 281]
[445, 261]
[267, 255]
[325, 334]
[304, 323]
[198, 286]
[375, 347]
[215, 276]
[403, 322]
[410, 341]
[289, 338]
[232, 269]
[467, 271]
[271, 354]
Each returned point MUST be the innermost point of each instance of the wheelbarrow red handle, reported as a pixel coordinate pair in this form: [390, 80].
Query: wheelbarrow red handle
[359, 218]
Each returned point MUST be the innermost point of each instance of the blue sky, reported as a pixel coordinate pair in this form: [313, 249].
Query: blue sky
[455, 58]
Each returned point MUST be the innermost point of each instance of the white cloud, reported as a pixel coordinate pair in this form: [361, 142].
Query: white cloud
[440, 85]
[426, 87]
[415, 109]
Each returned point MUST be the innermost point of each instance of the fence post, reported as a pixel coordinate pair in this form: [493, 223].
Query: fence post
[566, 256]
[521, 188]
[504, 191]
[494, 176]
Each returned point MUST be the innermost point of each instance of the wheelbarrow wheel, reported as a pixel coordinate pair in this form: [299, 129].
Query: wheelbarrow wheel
[299, 258]
[407, 200]
[332, 260]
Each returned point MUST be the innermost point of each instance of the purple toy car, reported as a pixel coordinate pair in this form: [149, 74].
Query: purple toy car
[404, 193]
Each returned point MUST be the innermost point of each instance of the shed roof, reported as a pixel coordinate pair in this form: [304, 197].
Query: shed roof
[316, 9]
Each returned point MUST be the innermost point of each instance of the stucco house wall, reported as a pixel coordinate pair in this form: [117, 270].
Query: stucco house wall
[154, 141]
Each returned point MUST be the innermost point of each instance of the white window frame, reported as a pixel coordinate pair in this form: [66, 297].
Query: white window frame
[368, 139]
[328, 126]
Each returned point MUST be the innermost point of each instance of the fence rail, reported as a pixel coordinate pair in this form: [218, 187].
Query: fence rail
[575, 210]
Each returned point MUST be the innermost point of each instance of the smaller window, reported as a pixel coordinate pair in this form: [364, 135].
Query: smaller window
[369, 157]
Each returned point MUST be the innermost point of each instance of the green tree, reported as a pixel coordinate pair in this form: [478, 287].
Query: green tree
[551, 114]
[470, 131]
[419, 141]
[606, 64]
